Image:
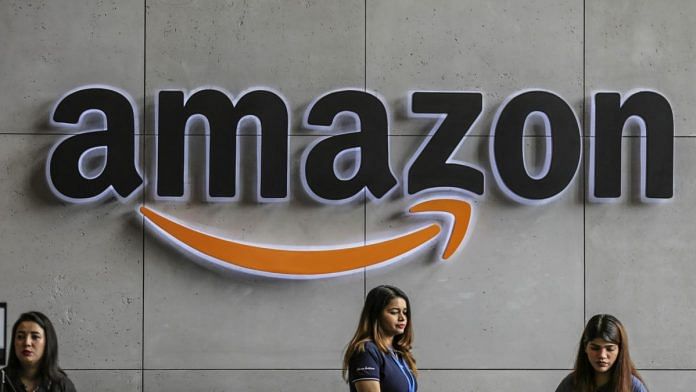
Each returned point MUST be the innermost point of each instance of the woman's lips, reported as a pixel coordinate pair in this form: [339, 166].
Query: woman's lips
[27, 353]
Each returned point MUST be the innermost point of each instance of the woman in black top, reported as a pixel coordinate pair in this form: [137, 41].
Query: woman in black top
[378, 358]
[33, 362]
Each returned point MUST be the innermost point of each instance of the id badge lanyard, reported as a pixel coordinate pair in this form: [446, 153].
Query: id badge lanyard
[405, 371]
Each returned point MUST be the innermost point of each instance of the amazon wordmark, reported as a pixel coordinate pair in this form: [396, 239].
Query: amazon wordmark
[365, 146]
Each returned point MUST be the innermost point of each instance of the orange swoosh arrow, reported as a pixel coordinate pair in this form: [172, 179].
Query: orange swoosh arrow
[319, 262]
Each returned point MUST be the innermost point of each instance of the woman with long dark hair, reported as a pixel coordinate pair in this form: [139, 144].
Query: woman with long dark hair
[33, 362]
[603, 363]
[378, 358]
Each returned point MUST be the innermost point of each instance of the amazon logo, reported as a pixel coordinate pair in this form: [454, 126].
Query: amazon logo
[311, 261]
[103, 120]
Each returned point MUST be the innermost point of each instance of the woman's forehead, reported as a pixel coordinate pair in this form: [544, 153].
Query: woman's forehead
[29, 326]
[601, 342]
[397, 302]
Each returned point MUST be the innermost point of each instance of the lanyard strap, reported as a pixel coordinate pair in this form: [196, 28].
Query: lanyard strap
[405, 371]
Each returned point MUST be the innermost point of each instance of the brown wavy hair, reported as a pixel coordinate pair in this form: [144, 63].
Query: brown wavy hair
[609, 328]
[370, 328]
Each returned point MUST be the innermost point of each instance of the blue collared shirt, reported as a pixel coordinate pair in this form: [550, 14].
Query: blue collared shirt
[389, 370]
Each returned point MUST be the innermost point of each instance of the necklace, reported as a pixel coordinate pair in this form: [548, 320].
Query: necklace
[28, 389]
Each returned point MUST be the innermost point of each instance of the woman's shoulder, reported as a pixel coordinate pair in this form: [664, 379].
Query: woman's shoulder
[637, 385]
[64, 384]
[370, 345]
[10, 375]
[368, 348]
[567, 384]
[69, 386]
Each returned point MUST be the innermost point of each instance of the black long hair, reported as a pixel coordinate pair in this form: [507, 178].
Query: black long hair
[49, 372]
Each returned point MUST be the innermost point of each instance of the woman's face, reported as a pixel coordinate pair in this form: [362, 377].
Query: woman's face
[601, 354]
[29, 343]
[394, 317]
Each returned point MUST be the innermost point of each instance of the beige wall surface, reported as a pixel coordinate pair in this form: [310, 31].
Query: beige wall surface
[133, 313]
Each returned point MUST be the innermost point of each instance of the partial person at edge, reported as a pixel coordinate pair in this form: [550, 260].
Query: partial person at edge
[603, 363]
[32, 365]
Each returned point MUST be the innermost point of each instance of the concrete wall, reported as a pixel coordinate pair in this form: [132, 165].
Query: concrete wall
[504, 314]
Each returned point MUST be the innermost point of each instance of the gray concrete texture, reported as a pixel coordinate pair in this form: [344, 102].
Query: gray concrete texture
[505, 313]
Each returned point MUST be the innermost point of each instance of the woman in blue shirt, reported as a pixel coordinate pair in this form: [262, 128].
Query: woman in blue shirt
[603, 363]
[378, 358]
